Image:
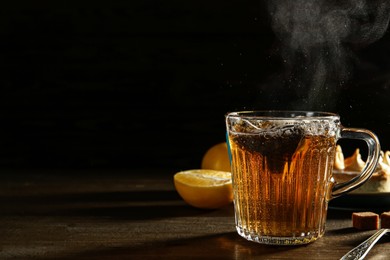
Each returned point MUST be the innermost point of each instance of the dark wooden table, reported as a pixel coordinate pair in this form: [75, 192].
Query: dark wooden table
[137, 215]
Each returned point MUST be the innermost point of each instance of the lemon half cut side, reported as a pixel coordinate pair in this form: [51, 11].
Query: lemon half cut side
[202, 188]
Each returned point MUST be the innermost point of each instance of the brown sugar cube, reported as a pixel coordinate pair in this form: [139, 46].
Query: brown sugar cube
[385, 219]
[365, 220]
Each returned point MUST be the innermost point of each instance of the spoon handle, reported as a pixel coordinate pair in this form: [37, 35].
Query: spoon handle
[362, 250]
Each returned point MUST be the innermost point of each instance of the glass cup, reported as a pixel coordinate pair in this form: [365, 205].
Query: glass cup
[282, 164]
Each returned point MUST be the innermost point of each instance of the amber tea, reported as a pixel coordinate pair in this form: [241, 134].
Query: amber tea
[287, 183]
[282, 174]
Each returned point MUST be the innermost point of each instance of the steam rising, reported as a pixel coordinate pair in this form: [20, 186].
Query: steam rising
[317, 38]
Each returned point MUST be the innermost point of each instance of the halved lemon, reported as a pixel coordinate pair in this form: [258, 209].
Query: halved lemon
[217, 158]
[202, 188]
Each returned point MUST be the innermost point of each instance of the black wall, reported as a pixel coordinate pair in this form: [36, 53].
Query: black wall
[133, 84]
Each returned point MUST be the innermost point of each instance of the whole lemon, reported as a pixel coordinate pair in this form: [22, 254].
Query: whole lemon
[217, 158]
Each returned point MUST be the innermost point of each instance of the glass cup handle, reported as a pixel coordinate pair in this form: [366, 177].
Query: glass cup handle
[372, 160]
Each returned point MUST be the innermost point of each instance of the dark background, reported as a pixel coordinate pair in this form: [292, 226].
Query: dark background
[146, 84]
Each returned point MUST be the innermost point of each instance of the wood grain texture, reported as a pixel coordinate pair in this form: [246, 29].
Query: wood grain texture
[133, 215]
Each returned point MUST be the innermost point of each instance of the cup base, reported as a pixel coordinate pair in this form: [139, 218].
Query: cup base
[270, 240]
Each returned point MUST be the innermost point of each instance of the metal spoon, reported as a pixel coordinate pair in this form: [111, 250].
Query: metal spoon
[359, 252]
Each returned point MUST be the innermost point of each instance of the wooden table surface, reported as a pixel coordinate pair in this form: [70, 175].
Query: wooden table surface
[137, 215]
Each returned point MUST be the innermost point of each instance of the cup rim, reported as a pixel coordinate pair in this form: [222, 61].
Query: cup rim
[282, 114]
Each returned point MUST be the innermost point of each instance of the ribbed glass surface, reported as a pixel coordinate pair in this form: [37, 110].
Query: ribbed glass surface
[281, 184]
